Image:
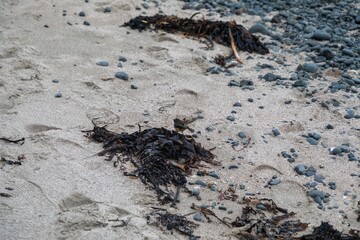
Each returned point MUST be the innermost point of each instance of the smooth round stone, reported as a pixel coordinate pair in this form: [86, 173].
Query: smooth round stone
[58, 94]
[233, 167]
[122, 59]
[55, 81]
[133, 87]
[107, 9]
[223, 208]
[86, 23]
[195, 192]
[315, 135]
[237, 104]
[350, 114]
[230, 118]
[259, 28]
[316, 193]
[275, 181]
[276, 132]
[214, 175]
[336, 151]
[269, 77]
[311, 67]
[300, 83]
[312, 141]
[82, 14]
[261, 207]
[332, 185]
[348, 52]
[300, 169]
[327, 53]
[200, 183]
[198, 217]
[102, 63]
[242, 135]
[122, 76]
[321, 36]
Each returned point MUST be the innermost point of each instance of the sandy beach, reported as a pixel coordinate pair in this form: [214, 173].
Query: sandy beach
[52, 89]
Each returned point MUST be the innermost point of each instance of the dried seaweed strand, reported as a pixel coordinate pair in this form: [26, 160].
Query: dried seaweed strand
[234, 47]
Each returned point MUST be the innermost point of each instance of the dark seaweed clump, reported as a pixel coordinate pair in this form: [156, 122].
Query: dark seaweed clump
[217, 31]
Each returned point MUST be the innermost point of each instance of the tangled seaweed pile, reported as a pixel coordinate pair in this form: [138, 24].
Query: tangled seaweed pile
[161, 157]
[225, 33]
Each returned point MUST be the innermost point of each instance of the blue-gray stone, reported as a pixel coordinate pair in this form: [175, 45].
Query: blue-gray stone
[312, 141]
[122, 59]
[276, 132]
[122, 75]
[274, 181]
[311, 67]
[233, 166]
[300, 169]
[242, 135]
[261, 207]
[58, 94]
[107, 9]
[237, 104]
[319, 178]
[230, 118]
[198, 217]
[314, 193]
[300, 83]
[55, 81]
[315, 135]
[82, 14]
[321, 36]
[222, 208]
[269, 77]
[348, 52]
[214, 175]
[336, 151]
[195, 192]
[332, 185]
[349, 114]
[259, 28]
[200, 183]
[102, 63]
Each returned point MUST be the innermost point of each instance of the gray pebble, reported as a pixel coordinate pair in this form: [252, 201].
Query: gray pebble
[237, 104]
[122, 75]
[58, 94]
[315, 135]
[321, 36]
[230, 118]
[261, 207]
[214, 175]
[233, 166]
[274, 181]
[300, 83]
[133, 87]
[269, 77]
[259, 28]
[311, 67]
[200, 183]
[107, 9]
[332, 185]
[195, 192]
[300, 169]
[198, 217]
[314, 193]
[55, 81]
[82, 14]
[242, 135]
[312, 141]
[102, 63]
[276, 132]
[336, 151]
[122, 59]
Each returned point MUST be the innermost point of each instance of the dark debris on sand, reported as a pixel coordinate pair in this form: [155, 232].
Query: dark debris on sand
[217, 31]
[162, 157]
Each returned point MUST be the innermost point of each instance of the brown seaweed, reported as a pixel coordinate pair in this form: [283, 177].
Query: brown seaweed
[218, 31]
[327, 232]
[162, 157]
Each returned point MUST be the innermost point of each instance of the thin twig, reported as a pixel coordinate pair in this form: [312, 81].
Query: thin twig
[233, 46]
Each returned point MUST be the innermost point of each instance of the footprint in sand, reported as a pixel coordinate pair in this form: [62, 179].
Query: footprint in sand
[37, 128]
[79, 215]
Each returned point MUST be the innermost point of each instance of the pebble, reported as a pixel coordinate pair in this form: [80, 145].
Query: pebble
[332, 185]
[82, 14]
[107, 9]
[195, 192]
[58, 94]
[316, 193]
[122, 75]
[214, 175]
[230, 118]
[233, 166]
[200, 183]
[242, 135]
[314, 135]
[102, 63]
[86, 23]
[274, 181]
[329, 126]
[259, 28]
[55, 81]
[312, 141]
[133, 87]
[336, 151]
[122, 59]
[237, 104]
[276, 132]
[311, 67]
[270, 77]
[223, 208]
[261, 207]
[321, 36]
[198, 217]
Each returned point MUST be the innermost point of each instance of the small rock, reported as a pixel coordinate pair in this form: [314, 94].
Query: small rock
[200, 183]
[122, 59]
[321, 36]
[269, 77]
[311, 67]
[55, 81]
[122, 75]
[223, 208]
[276, 132]
[314, 135]
[102, 63]
[133, 87]
[312, 141]
[300, 169]
[242, 135]
[214, 175]
[261, 207]
[107, 9]
[198, 217]
[58, 94]
[230, 118]
[233, 166]
[86, 23]
[336, 151]
[82, 14]
[195, 192]
[259, 28]
[274, 181]
[237, 104]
